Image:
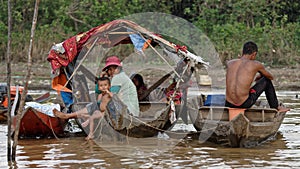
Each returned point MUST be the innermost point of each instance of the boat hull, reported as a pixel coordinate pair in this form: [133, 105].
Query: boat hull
[3, 115]
[154, 118]
[35, 124]
[247, 129]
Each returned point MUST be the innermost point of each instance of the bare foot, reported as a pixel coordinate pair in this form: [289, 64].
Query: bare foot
[89, 137]
[86, 123]
[282, 109]
[59, 114]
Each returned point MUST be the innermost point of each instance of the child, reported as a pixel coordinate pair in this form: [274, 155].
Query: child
[103, 87]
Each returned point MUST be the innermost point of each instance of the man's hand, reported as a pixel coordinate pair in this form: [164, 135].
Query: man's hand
[258, 76]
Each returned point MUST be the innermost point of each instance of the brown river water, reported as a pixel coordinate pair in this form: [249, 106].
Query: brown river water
[75, 152]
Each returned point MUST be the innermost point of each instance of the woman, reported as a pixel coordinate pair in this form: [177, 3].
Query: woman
[141, 87]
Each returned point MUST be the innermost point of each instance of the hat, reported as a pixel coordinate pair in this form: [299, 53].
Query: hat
[112, 60]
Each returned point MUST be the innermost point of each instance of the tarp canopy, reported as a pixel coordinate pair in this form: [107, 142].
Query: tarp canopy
[67, 57]
[109, 35]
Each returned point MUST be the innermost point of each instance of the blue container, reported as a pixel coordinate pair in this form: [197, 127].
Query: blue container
[215, 100]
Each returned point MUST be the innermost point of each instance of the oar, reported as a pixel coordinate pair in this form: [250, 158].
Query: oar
[155, 85]
[43, 97]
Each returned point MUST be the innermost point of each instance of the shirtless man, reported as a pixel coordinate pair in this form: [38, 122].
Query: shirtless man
[239, 77]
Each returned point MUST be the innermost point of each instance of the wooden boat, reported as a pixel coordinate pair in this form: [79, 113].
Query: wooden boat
[68, 58]
[144, 126]
[236, 127]
[15, 94]
[3, 115]
[154, 118]
[14, 91]
[35, 124]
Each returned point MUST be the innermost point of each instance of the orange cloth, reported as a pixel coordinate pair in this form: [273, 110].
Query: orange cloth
[58, 83]
[146, 44]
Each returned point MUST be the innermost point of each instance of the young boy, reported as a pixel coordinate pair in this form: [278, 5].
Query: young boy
[103, 87]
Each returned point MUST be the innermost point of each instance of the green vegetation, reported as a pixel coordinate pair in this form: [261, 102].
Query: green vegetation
[274, 25]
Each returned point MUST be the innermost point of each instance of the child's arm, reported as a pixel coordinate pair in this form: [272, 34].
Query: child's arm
[99, 97]
[109, 93]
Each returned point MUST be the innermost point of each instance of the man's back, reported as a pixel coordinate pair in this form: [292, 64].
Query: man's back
[239, 77]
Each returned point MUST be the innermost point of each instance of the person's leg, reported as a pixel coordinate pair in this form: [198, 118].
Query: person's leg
[85, 123]
[82, 113]
[265, 85]
[91, 133]
[262, 85]
[96, 115]
[77, 114]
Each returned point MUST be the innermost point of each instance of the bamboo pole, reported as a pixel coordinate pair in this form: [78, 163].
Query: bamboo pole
[27, 78]
[8, 69]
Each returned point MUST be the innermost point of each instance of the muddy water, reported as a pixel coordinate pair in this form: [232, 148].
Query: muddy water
[75, 152]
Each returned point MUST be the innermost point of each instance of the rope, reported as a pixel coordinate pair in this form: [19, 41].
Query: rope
[128, 130]
[179, 76]
[168, 131]
[52, 129]
[99, 122]
[160, 55]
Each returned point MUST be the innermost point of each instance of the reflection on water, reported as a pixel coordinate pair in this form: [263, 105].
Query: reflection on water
[75, 152]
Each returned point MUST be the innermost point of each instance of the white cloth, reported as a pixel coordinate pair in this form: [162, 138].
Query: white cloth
[43, 108]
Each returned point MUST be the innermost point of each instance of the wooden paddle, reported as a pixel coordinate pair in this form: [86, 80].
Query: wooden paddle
[155, 85]
[43, 97]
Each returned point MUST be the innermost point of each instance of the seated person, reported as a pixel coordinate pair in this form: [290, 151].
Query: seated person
[239, 76]
[121, 85]
[141, 87]
[103, 86]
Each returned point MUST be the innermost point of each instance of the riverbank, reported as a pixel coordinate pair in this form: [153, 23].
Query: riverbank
[286, 78]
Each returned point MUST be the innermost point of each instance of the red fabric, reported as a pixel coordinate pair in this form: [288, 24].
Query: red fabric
[71, 48]
[75, 44]
[182, 48]
[252, 91]
[177, 97]
[57, 60]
